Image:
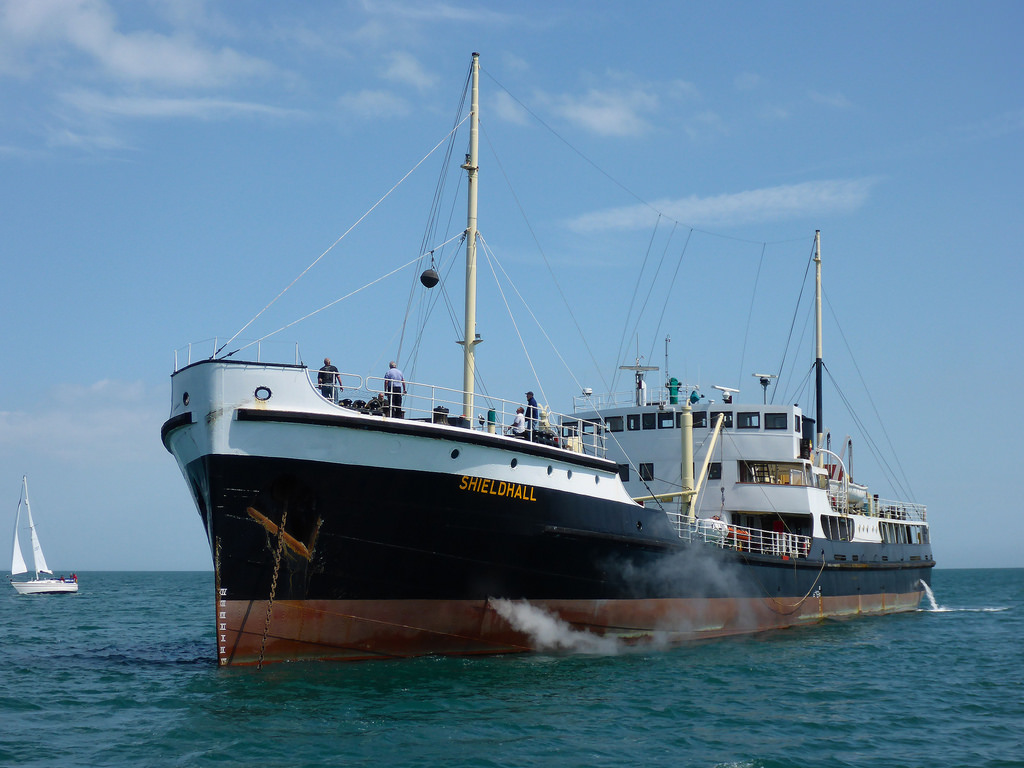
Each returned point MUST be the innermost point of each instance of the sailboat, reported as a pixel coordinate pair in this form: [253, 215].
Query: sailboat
[36, 586]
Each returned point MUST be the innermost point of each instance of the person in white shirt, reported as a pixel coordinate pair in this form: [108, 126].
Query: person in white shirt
[518, 426]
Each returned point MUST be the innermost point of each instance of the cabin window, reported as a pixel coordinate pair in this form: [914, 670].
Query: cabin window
[771, 473]
[614, 423]
[775, 421]
[715, 470]
[750, 420]
[647, 471]
[700, 419]
[726, 422]
[632, 421]
[837, 528]
[648, 420]
[624, 472]
[666, 420]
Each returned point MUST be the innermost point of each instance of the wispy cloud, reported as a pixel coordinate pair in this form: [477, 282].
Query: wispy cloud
[371, 104]
[108, 420]
[57, 28]
[834, 99]
[504, 107]
[812, 198]
[406, 69]
[98, 104]
[746, 81]
[615, 112]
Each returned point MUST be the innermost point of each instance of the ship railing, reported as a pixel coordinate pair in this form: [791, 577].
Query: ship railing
[442, 405]
[741, 538]
[207, 349]
[839, 498]
[587, 403]
[901, 510]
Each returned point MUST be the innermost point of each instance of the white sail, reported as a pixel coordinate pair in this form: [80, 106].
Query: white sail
[17, 560]
[37, 551]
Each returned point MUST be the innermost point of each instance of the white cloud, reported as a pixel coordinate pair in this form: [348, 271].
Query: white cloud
[746, 81]
[405, 68]
[97, 104]
[373, 104]
[508, 109]
[107, 421]
[610, 112]
[89, 27]
[812, 198]
[835, 99]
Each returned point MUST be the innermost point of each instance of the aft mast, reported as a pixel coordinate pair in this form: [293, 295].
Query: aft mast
[472, 169]
[818, 346]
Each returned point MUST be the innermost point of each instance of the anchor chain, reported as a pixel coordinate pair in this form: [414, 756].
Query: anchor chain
[273, 584]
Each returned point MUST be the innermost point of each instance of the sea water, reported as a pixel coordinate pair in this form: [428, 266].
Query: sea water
[123, 674]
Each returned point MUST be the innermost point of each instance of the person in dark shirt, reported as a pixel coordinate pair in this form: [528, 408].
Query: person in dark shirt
[329, 381]
[531, 416]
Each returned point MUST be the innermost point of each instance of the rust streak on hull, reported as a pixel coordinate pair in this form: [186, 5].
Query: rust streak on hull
[357, 630]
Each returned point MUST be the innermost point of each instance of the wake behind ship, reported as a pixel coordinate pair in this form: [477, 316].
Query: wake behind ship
[369, 528]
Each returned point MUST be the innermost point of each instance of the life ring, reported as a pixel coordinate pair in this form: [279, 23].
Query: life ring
[739, 537]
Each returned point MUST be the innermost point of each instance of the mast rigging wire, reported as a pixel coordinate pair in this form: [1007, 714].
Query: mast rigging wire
[331, 247]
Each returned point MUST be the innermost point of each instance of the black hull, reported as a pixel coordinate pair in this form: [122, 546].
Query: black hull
[389, 549]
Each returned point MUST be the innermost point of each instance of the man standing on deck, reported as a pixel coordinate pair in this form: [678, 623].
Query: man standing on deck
[394, 387]
[531, 417]
[329, 381]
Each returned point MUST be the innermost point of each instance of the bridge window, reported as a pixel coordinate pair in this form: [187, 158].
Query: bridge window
[700, 419]
[726, 422]
[751, 420]
[614, 423]
[632, 421]
[666, 420]
[775, 421]
[648, 420]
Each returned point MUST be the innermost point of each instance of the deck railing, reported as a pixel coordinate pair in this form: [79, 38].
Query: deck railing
[741, 538]
[901, 510]
[441, 405]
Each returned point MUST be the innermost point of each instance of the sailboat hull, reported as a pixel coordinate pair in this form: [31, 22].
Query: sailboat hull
[44, 586]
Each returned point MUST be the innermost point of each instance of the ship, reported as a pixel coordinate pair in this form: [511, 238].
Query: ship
[380, 528]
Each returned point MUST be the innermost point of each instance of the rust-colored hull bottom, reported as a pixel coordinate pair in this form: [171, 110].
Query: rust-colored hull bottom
[356, 630]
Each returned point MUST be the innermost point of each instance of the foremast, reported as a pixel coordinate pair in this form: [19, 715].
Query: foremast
[472, 169]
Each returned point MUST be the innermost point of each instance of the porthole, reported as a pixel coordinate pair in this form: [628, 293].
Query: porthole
[597, 479]
[639, 525]
[455, 453]
[550, 469]
[513, 463]
[262, 393]
[184, 399]
[569, 474]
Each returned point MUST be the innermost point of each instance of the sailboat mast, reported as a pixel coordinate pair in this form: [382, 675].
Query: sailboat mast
[471, 167]
[38, 561]
[818, 344]
[17, 559]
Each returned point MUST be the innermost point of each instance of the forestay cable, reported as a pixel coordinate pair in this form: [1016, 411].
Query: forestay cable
[331, 247]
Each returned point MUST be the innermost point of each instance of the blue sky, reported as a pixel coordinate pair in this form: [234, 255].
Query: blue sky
[646, 169]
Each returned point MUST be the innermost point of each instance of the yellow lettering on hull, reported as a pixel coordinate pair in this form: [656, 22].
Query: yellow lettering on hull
[497, 488]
